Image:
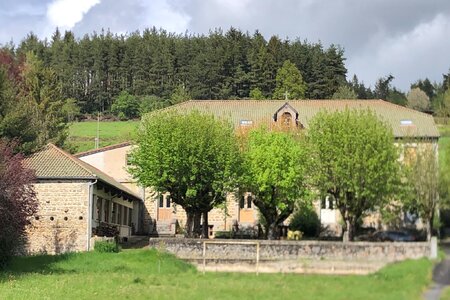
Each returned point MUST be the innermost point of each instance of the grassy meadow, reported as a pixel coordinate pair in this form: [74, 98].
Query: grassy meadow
[148, 274]
[82, 134]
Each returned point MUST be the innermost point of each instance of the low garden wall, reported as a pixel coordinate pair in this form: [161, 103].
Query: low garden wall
[291, 256]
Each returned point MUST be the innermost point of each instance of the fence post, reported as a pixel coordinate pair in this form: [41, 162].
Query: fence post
[204, 257]
[257, 258]
[433, 248]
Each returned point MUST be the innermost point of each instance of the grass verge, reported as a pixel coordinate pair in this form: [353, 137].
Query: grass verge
[148, 274]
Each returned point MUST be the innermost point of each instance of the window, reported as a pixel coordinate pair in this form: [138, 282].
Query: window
[129, 216]
[241, 202]
[406, 122]
[99, 209]
[161, 201]
[246, 122]
[114, 213]
[249, 201]
[106, 211]
[125, 215]
[167, 201]
[327, 202]
[119, 214]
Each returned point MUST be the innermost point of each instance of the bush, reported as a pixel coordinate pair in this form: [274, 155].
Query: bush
[222, 235]
[18, 201]
[106, 247]
[306, 221]
[125, 106]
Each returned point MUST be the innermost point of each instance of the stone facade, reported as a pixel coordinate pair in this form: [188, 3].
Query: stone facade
[152, 215]
[161, 216]
[61, 224]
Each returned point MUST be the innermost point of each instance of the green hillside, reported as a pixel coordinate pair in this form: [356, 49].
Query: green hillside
[82, 134]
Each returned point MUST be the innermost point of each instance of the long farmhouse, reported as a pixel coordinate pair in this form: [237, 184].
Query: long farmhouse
[158, 215]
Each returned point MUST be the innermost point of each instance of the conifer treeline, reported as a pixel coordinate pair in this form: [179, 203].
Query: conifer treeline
[221, 65]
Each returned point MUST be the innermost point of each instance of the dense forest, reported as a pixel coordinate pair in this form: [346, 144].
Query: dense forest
[96, 68]
[49, 82]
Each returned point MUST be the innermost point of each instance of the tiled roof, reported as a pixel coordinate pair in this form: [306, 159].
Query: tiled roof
[103, 149]
[53, 163]
[404, 121]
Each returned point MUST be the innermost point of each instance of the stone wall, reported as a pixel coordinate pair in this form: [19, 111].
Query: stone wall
[62, 220]
[282, 250]
[291, 256]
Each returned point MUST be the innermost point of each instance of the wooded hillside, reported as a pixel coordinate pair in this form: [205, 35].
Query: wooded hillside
[221, 65]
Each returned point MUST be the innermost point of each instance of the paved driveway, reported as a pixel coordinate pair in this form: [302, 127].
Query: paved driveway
[441, 275]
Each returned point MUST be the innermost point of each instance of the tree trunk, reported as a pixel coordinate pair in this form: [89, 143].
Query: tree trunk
[349, 231]
[428, 229]
[189, 224]
[197, 219]
[272, 231]
[205, 228]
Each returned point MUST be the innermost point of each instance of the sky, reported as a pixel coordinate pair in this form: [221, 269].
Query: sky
[409, 39]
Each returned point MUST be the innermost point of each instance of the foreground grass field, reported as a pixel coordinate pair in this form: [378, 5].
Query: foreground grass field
[82, 134]
[134, 274]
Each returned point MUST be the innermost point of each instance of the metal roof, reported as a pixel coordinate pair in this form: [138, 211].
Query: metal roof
[405, 122]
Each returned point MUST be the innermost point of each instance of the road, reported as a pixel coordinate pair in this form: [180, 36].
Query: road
[441, 275]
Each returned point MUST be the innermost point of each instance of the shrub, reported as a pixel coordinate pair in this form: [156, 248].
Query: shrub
[125, 106]
[18, 201]
[106, 247]
[222, 235]
[294, 235]
[306, 221]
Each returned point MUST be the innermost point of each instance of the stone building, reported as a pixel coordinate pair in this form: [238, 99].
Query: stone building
[160, 215]
[76, 201]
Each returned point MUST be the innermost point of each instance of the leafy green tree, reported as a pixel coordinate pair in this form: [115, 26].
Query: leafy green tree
[275, 172]
[33, 109]
[443, 108]
[344, 92]
[361, 90]
[290, 81]
[383, 86]
[151, 103]
[397, 97]
[180, 94]
[256, 94]
[426, 86]
[355, 162]
[306, 220]
[418, 100]
[125, 106]
[70, 109]
[423, 180]
[444, 177]
[194, 157]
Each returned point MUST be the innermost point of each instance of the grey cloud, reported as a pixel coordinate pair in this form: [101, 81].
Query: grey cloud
[379, 36]
[112, 15]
